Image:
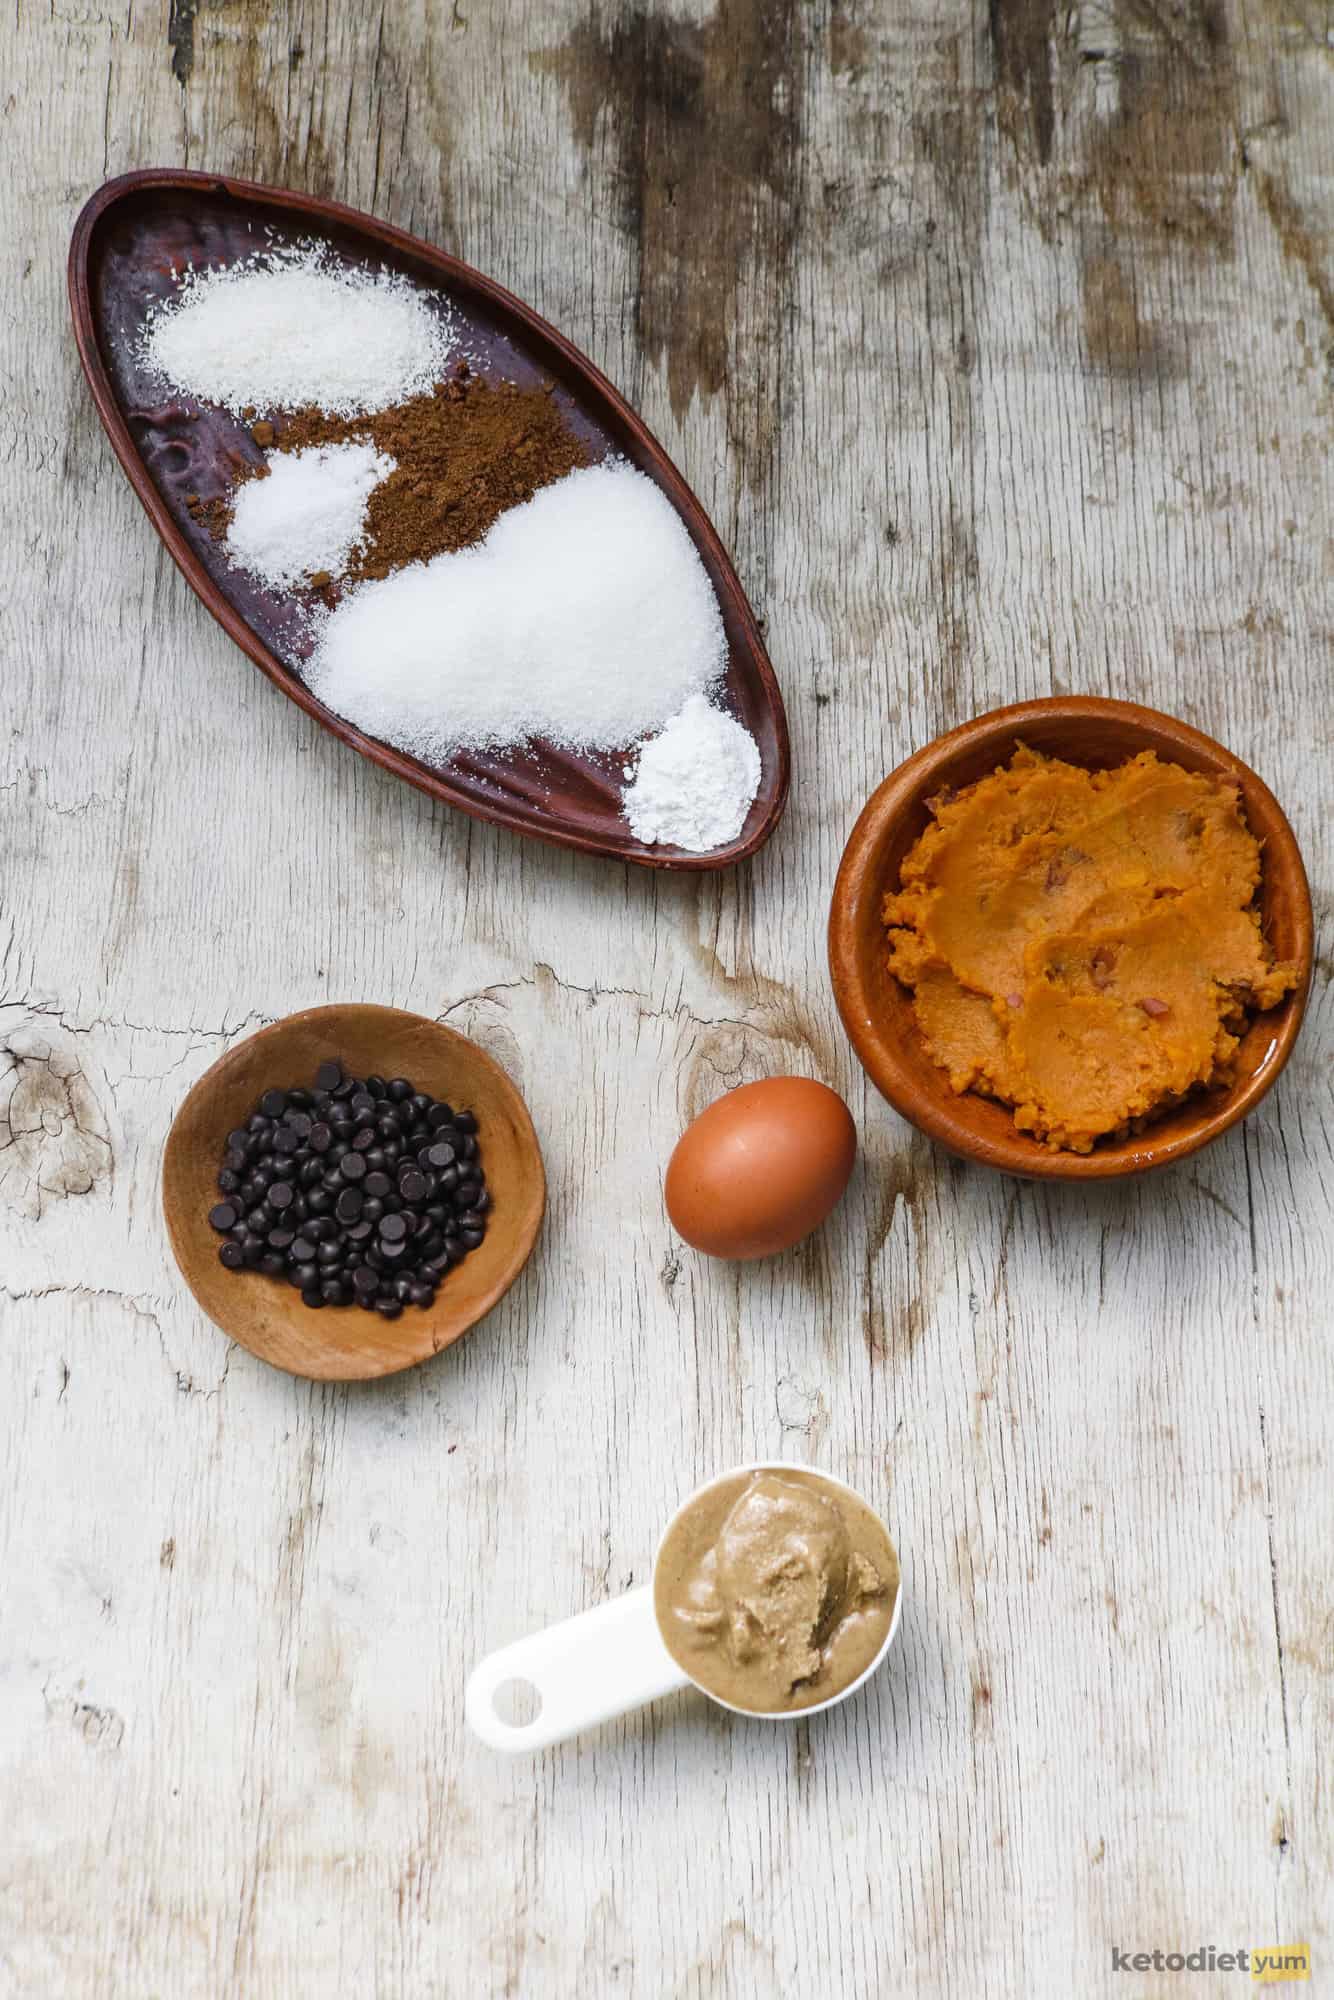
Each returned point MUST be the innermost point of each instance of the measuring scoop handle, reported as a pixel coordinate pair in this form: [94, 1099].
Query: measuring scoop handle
[585, 1670]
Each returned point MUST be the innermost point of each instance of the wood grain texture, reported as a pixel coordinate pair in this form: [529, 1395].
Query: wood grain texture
[997, 341]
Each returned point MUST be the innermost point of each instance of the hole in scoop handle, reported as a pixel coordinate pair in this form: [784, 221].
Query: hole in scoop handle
[585, 1670]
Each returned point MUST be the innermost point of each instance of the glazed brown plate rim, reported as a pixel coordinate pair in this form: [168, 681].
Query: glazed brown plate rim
[594, 387]
[895, 1065]
[414, 1337]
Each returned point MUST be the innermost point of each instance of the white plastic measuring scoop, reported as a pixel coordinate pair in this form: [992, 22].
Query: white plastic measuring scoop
[599, 1665]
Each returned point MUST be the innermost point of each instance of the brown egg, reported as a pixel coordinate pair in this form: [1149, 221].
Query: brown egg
[761, 1168]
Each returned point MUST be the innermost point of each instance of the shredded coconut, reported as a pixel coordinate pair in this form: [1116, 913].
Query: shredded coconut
[585, 617]
[289, 328]
[308, 515]
[695, 782]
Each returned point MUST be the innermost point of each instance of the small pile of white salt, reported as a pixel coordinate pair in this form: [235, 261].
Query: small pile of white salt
[585, 616]
[309, 514]
[694, 784]
[289, 328]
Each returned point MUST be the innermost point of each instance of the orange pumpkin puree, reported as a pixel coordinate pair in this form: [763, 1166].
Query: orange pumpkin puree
[1083, 945]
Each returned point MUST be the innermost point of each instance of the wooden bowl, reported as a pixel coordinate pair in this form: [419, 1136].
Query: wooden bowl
[132, 241]
[878, 1012]
[346, 1343]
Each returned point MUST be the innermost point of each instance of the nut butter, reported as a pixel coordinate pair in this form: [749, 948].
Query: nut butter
[775, 1589]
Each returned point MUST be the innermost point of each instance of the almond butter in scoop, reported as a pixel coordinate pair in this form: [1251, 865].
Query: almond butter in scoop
[775, 1589]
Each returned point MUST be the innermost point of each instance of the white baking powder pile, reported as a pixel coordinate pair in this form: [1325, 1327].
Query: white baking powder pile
[309, 514]
[585, 617]
[694, 784]
[287, 329]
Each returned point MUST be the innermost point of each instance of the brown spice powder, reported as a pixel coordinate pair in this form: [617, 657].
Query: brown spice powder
[465, 454]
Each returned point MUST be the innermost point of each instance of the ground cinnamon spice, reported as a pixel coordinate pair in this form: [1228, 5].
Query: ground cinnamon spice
[465, 454]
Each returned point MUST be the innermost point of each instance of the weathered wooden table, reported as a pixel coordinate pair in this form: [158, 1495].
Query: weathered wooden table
[1001, 346]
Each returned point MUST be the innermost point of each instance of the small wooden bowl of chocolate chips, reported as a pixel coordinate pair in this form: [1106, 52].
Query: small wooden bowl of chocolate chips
[348, 1191]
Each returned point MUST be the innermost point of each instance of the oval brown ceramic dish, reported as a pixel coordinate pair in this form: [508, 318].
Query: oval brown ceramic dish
[345, 1343]
[878, 1012]
[134, 238]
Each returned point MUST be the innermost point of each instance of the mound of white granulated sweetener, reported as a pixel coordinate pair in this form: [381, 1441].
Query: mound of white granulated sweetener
[308, 515]
[694, 784]
[288, 329]
[585, 617]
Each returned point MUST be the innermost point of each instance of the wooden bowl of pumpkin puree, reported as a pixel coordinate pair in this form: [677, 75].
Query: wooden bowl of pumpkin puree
[1072, 939]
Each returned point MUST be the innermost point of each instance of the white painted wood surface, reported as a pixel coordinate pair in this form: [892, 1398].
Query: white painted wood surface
[1001, 346]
